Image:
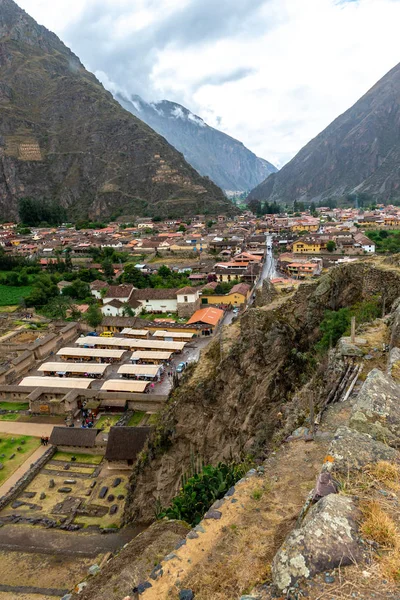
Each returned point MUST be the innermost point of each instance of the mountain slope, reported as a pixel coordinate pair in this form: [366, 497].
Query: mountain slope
[64, 137]
[359, 151]
[223, 159]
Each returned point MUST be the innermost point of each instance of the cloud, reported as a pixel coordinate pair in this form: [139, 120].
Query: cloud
[272, 73]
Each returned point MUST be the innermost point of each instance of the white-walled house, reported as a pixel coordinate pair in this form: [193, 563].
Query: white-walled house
[118, 292]
[157, 300]
[366, 244]
[96, 287]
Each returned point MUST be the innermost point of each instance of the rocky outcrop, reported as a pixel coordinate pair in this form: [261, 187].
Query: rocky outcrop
[328, 538]
[377, 408]
[65, 139]
[351, 450]
[226, 161]
[235, 403]
[134, 563]
[358, 152]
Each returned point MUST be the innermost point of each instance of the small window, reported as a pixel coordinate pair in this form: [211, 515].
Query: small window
[185, 298]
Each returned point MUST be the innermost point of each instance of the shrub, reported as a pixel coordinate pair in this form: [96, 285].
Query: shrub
[202, 490]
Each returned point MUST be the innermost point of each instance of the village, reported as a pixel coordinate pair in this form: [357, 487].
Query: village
[85, 370]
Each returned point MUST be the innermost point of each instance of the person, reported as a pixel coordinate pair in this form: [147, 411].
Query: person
[42, 441]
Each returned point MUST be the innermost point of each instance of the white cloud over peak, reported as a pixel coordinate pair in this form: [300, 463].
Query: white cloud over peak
[272, 73]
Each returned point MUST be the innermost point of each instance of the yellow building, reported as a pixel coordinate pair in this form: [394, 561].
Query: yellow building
[238, 295]
[305, 227]
[306, 247]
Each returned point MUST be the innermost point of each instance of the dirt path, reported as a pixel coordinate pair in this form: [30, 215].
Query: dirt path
[34, 429]
[232, 554]
[7, 485]
[36, 539]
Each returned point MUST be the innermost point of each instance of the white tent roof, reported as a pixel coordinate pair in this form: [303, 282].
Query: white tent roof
[133, 332]
[123, 385]
[150, 354]
[73, 367]
[130, 343]
[57, 382]
[95, 352]
[144, 370]
[174, 334]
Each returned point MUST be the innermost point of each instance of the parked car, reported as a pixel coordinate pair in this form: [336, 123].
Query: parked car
[107, 334]
[93, 333]
[236, 310]
[181, 367]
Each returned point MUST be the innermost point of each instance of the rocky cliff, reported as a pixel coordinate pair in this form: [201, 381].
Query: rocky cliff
[226, 161]
[248, 389]
[63, 137]
[358, 152]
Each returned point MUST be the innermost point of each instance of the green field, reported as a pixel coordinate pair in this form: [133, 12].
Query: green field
[9, 417]
[136, 418]
[9, 447]
[14, 405]
[10, 295]
[90, 459]
[107, 421]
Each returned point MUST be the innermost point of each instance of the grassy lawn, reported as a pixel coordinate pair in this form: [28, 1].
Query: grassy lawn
[10, 295]
[136, 418]
[8, 309]
[153, 419]
[82, 458]
[9, 447]
[9, 417]
[107, 421]
[14, 405]
[165, 316]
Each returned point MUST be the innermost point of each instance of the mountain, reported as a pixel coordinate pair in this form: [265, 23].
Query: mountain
[358, 152]
[64, 138]
[226, 161]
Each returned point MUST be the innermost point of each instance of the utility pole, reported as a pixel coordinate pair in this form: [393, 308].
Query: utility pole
[312, 415]
[353, 330]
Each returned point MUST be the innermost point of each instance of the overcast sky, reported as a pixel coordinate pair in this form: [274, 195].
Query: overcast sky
[271, 73]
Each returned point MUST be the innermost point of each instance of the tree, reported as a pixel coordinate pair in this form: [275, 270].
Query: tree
[78, 290]
[93, 316]
[164, 271]
[331, 246]
[127, 310]
[182, 228]
[255, 206]
[57, 307]
[108, 268]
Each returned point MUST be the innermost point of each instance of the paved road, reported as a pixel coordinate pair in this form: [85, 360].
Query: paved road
[269, 269]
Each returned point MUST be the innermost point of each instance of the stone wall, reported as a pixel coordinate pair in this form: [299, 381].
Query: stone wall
[186, 309]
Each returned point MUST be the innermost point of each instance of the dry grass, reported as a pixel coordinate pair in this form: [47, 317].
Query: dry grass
[386, 473]
[239, 561]
[378, 525]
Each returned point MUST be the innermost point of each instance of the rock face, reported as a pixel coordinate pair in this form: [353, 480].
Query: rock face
[377, 408]
[327, 538]
[64, 138]
[233, 402]
[352, 450]
[226, 161]
[359, 151]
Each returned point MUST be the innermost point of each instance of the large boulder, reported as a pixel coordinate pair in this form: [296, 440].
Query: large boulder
[351, 450]
[377, 408]
[327, 538]
[395, 337]
[394, 364]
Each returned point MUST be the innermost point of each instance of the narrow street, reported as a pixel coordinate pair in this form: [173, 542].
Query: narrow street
[269, 270]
